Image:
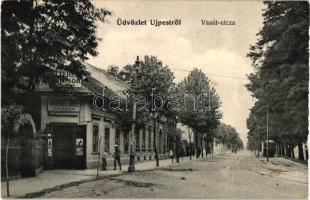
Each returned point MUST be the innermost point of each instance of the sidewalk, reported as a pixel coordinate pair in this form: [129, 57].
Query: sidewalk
[56, 179]
[287, 169]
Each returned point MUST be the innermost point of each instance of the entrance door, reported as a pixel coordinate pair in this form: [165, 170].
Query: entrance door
[69, 146]
[80, 147]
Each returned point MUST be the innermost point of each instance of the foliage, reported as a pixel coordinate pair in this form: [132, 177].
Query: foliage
[226, 134]
[148, 78]
[39, 37]
[200, 103]
[9, 117]
[280, 81]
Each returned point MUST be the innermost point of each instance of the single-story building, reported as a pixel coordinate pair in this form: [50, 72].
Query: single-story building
[74, 128]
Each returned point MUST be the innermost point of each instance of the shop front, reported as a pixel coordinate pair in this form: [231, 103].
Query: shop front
[66, 136]
[66, 146]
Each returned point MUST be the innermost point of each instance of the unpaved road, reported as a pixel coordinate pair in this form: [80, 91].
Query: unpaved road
[225, 176]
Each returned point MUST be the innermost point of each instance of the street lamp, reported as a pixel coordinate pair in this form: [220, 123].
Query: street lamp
[154, 115]
[131, 167]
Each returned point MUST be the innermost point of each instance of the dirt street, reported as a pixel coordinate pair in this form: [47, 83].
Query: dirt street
[239, 175]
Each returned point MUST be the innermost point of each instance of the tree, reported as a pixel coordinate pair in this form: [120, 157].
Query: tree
[280, 81]
[228, 135]
[148, 79]
[200, 105]
[9, 117]
[40, 37]
[113, 70]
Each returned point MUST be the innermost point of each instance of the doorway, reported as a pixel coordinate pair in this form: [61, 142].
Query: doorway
[69, 146]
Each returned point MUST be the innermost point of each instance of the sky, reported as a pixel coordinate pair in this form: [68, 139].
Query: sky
[218, 50]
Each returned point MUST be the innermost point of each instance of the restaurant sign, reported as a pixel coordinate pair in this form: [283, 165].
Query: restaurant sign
[61, 104]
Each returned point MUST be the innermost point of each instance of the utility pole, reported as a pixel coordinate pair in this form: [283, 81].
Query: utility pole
[258, 141]
[190, 143]
[155, 140]
[267, 153]
[209, 105]
[98, 164]
[255, 146]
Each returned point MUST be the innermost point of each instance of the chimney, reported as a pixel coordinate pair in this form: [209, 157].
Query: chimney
[137, 61]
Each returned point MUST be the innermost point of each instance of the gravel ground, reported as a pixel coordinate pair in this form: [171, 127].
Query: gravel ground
[226, 176]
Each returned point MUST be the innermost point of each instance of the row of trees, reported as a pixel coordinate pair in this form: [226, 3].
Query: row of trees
[39, 37]
[280, 81]
[193, 101]
[228, 135]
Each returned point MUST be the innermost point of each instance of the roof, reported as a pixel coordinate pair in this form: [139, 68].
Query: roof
[112, 83]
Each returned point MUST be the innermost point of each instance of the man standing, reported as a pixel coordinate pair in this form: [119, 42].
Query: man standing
[117, 158]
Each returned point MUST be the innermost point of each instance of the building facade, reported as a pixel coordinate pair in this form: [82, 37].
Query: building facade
[77, 129]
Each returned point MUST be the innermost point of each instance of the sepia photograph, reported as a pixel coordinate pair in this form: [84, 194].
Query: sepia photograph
[145, 99]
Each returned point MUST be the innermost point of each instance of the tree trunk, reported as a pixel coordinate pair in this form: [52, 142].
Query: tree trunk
[196, 136]
[155, 146]
[201, 146]
[292, 151]
[206, 147]
[7, 167]
[288, 151]
[300, 151]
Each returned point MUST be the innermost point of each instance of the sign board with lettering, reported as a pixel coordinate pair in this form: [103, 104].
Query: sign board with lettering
[62, 104]
[65, 77]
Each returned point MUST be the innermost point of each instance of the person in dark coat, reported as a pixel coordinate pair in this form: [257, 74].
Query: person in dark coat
[117, 157]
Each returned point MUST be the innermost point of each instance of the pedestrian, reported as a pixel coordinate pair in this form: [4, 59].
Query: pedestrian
[117, 158]
[171, 155]
[104, 161]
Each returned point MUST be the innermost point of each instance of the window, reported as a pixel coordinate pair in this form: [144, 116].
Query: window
[126, 141]
[117, 136]
[106, 139]
[154, 140]
[150, 137]
[143, 139]
[95, 139]
[137, 139]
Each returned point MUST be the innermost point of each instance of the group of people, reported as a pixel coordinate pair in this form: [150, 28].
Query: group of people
[116, 156]
[181, 154]
[234, 150]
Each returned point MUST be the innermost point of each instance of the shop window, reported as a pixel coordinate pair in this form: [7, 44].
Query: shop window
[95, 139]
[117, 136]
[106, 139]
